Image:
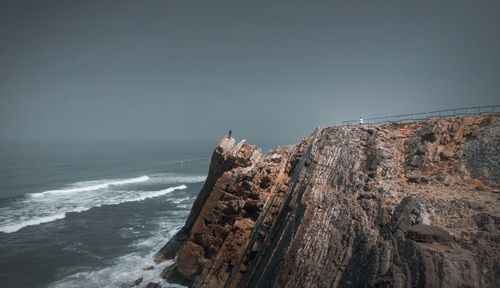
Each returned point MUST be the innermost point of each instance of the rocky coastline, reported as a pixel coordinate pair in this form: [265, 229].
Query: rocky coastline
[396, 205]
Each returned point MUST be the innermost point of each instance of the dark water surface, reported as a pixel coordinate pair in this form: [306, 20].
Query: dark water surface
[92, 214]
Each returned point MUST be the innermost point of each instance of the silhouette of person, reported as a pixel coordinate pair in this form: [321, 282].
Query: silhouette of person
[230, 133]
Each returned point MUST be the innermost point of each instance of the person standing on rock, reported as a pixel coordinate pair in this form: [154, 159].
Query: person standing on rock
[230, 133]
[361, 121]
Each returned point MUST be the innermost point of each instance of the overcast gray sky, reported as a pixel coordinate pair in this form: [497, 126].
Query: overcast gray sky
[270, 70]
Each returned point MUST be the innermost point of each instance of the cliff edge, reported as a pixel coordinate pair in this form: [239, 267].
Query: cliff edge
[411, 205]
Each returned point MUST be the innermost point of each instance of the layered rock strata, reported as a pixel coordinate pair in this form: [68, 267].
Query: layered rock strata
[413, 205]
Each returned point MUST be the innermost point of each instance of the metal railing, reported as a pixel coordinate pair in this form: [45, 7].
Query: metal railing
[413, 117]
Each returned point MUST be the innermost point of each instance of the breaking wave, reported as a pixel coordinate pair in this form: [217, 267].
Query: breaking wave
[53, 205]
[31, 222]
[127, 268]
[92, 187]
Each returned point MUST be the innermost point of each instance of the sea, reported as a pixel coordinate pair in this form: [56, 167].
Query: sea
[93, 214]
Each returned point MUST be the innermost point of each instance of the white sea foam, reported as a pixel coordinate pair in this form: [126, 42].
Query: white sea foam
[53, 205]
[92, 187]
[154, 194]
[127, 268]
[123, 271]
[179, 200]
[31, 222]
[37, 210]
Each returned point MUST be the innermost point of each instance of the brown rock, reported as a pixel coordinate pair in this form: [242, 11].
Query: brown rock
[446, 155]
[413, 176]
[428, 234]
[426, 178]
[135, 283]
[309, 215]
[188, 262]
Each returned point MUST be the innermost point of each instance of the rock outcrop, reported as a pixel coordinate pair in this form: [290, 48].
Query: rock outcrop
[411, 205]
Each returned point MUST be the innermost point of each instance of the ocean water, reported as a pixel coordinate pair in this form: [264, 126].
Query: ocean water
[93, 214]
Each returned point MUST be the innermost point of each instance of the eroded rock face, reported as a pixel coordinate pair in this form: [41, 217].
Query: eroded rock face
[383, 206]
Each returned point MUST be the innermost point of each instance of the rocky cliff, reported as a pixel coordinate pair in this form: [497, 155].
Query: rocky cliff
[413, 205]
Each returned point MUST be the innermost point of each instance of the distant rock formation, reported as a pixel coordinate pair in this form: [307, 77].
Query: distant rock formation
[398, 205]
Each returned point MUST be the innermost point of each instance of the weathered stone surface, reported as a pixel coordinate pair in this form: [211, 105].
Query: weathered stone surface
[482, 154]
[223, 159]
[135, 283]
[413, 176]
[447, 154]
[428, 234]
[348, 207]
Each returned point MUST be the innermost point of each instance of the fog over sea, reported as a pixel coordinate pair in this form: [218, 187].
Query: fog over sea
[93, 214]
